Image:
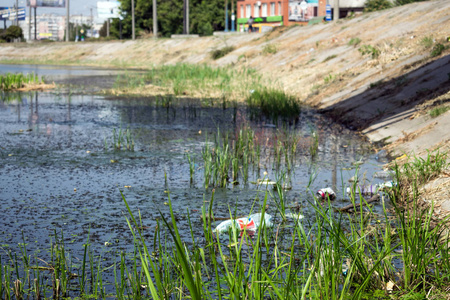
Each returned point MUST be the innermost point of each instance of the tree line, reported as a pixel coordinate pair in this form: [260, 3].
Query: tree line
[205, 17]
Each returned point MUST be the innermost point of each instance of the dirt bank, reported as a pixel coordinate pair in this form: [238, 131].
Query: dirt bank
[373, 72]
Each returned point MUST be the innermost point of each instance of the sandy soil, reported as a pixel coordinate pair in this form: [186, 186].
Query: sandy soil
[385, 96]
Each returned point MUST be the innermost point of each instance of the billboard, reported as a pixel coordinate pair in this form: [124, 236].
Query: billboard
[46, 3]
[302, 10]
[9, 13]
[108, 9]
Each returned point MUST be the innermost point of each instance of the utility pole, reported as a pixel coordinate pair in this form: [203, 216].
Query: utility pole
[233, 16]
[155, 20]
[226, 15]
[67, 20]
[184, 17]
[35, 24]
[132, 19]
[336, 10]
[187, 16]
[17, 12]
[29, 25]
[107, 27]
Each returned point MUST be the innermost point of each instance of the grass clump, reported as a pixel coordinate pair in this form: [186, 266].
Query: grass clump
[427, 42]
[269, 49]
[218, 53]
[10, 81]
[354, 41]
[121, 140]
[204, 81]
[329, 58]
[437, 111]
[437, 50]
[374, 5]
[274, 104]
[371, 50]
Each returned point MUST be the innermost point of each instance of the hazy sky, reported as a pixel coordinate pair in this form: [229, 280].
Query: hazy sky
[77, 7]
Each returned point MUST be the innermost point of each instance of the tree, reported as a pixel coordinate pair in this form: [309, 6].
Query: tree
[204, 15]
[13, 32]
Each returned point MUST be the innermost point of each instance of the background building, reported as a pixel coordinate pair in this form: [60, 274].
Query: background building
[270, 13]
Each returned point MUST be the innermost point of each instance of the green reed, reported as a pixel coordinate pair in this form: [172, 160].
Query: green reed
[120, 140]
[10, 81]
[275, 104]
[332, 256]
[231, 160]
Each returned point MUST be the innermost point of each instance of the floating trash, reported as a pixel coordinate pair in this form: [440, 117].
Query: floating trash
[251, 223]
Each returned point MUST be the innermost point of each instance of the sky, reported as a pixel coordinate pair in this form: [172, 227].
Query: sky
[77, 7]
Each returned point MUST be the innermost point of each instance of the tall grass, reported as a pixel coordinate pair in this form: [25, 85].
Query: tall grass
[274, 104]
[231, 160]
[120, 140]
[10, 81]
[195, 80]
[334, 256]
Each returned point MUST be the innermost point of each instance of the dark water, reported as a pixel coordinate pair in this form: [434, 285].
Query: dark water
[55, 173]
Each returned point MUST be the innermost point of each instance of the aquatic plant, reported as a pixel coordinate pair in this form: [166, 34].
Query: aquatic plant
[337, 256]
[10, 81]
[274, 104]
[121, 140]
[314, 144]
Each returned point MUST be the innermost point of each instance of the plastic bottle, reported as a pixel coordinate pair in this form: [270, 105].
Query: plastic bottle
[251, 223]
[365, 189]
[326, 193]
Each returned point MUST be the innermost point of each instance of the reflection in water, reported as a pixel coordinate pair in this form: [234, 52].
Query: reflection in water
[63, 149]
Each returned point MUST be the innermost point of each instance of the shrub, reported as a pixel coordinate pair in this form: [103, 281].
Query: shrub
[330, 57]
[427, 42]
[437, 50]
[275, 103]
[206, 29]
[437, 111]
[269, 49]
[374, 5]
[354, 41]
[13, 32]
[368, 49]
[403, 2]
[218, 53]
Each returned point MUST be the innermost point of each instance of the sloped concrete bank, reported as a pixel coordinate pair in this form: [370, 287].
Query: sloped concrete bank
[373, 72]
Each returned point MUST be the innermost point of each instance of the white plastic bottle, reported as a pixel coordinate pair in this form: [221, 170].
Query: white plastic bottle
[251, 223]
[325, 193]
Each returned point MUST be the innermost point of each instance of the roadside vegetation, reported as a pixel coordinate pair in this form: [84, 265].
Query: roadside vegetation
[402, 253]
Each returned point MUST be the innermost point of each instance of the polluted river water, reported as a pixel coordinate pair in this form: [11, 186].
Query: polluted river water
[60, 172]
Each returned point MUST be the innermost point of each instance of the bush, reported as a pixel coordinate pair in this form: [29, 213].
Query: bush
[206, 29]
[427, 42]
[11, 33]
[374, 5]
[274, 104]
[437, 50]
[403, 2]
[368, 49]
[354, 41]
[269, 49]
[218, 53]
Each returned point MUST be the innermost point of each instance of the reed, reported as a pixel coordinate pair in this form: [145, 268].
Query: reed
[10, 81]
[120, 140]
[275, 104]
[334, 256]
